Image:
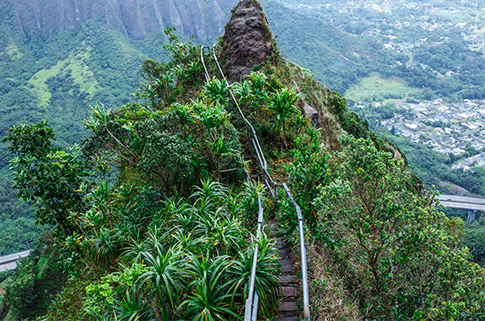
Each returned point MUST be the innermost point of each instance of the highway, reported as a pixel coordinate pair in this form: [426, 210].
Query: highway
[7, 262]
[464, 202]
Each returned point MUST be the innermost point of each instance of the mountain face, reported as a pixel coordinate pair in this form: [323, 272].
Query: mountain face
[136, 19]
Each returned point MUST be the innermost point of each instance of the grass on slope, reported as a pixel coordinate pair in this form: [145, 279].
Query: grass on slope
[375, 85]
[80, 72]
[13, 50]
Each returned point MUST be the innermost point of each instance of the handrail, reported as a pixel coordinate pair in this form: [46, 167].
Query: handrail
[251, 310]
[272, 184]
[255, 140]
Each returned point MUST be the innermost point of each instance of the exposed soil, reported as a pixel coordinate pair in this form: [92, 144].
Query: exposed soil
[247, 39]
[454, 189]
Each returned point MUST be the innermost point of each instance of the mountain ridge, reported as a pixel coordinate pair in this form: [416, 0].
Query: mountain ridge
[133, 18]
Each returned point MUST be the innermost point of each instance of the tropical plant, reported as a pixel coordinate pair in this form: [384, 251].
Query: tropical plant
[132, 306]
[282, 106]
[166, 278]
[307, 174]
[208, 299]
[267, 268]
[217, 91]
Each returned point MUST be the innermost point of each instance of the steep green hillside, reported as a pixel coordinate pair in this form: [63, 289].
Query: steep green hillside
[173, 237]
[337, 59]
[58, 78]
[59, 74]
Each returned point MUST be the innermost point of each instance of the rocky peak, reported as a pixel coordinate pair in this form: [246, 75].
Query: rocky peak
[247, 39]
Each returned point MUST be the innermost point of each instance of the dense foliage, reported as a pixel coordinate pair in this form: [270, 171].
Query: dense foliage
[171, 238]
[392, 243]
[396, 255]
[173, 235]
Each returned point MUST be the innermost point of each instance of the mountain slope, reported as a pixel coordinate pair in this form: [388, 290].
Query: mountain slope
[57, 59]
[337, 59]
[137, 19]
[173, 238]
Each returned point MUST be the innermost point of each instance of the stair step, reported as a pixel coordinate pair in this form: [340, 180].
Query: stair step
[279, 243]
[287, 266]
[273, 232]
[283, 254]
[287, 280]
[288, 307]
[289, 292]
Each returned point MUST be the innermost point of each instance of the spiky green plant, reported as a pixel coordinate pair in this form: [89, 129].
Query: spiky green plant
[266, 283]
[132, 307]
[282, 106]
[210, 189]
[217, 90]
[209, 299]
[166, 278]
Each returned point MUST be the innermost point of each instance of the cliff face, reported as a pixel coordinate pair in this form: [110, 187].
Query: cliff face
[136, 19]
[247, 40]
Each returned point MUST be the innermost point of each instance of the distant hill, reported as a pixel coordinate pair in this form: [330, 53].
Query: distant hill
[336, 58]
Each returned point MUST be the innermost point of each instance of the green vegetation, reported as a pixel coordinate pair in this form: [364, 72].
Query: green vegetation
[431, 167]
[475, 239]
[389, 242]
[444, 37]
[374, 88]
[170, 238]
[83, 79]
[58, 78]
[17, 229]
[32, 287]
[336, 59]
[172, 235]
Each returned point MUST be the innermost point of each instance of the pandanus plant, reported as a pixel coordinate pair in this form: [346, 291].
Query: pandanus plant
[166, 278]
[266, 283]
[209, 299]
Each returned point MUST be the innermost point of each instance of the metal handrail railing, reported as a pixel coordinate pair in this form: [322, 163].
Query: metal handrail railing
[304, 272]
[251, 310]
[272, 184]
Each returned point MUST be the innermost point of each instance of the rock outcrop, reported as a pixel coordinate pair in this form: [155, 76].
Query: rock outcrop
[247, 41]
[136, 19]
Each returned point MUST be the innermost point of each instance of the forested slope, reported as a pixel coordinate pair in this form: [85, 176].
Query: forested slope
[174, 235]
[58, 71]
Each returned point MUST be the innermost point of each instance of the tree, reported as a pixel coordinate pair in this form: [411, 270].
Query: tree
[47, 175]
[392, 246]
